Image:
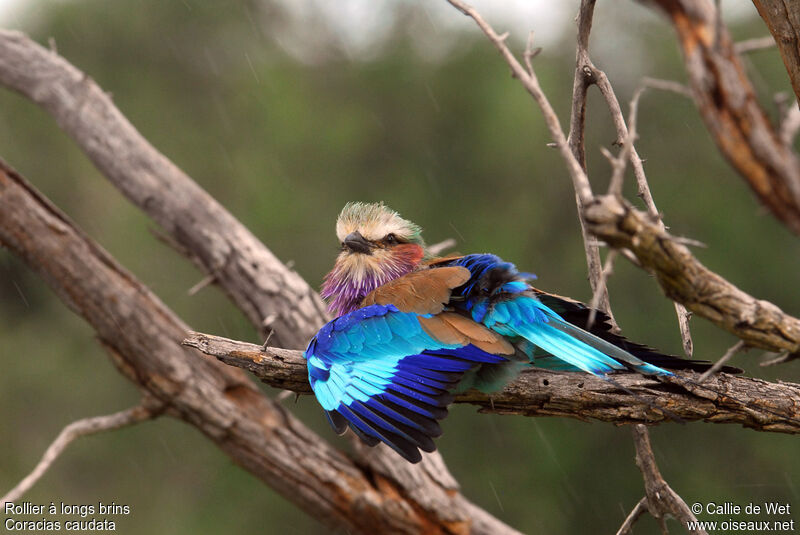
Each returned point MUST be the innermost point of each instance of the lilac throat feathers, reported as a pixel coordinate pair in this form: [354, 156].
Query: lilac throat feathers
[344, 290]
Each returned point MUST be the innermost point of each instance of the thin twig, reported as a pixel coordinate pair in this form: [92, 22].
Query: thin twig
[683, 325]
[87, 426]
[735, 348]
[754, 45]
[205, 281]
[585, 77]
[667, 85]
[530, 53]
[438, 248]
[627, 526]
[644, 187]
[608, 269]
[531, 83]
[620, 162]
[790, 124]
[785, 356]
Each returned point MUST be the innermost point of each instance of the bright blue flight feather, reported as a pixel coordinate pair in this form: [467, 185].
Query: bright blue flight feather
[387, 377]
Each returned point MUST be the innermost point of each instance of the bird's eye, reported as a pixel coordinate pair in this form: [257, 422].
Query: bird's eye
[390, 239]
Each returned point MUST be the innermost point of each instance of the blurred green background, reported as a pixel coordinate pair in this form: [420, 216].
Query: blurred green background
[286, 110]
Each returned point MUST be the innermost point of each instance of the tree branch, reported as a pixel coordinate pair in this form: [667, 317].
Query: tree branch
[143, 338]
[685, 280]
[762, 405]
[661, 499]
[783, 20]
[729, 107]
[87, 426]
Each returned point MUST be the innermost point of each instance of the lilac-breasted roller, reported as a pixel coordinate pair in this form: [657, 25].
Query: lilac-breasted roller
[411, 328]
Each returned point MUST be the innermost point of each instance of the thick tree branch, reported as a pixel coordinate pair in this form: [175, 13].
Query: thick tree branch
[761, 405]
[684, 279]
[729, 107]
[783, 20]
[143, 337]
[272, 296]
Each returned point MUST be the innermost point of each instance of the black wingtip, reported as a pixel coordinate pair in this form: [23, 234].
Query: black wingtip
[337, 421]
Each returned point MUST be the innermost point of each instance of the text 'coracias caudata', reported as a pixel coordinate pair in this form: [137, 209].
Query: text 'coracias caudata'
[411, 328]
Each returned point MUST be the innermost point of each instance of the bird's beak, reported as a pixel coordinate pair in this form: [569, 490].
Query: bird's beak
[356, 243]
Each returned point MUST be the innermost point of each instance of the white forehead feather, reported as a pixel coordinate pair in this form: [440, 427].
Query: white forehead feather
[374, 221]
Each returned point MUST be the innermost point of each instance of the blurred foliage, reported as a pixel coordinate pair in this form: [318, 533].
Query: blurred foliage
[448, 139]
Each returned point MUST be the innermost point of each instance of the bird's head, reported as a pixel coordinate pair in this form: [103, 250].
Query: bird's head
[377, 246]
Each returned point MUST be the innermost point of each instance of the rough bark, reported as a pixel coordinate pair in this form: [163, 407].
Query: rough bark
[783, 20]
[728, 105]
[272, 296]
[143, 337]
[723, 398]
[684, 279]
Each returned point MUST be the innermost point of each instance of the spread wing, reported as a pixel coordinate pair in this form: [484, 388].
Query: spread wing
[377, 370]
[386, 369]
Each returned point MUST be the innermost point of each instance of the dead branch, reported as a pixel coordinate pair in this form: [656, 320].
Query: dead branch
[143, 338]
[729, 107]
[539, 392]
[783, 20]
[661, 499]
[198, 226]
[639, 509]
[684, 279]
[86, 426]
